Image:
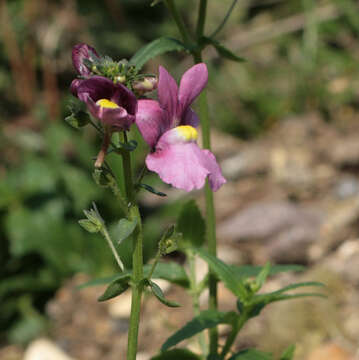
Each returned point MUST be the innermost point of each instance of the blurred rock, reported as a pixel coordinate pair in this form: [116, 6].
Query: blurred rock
[344, 262]
[44, 349]
[120, 307]
[336, 226]
[330, 352]
[346, 187]
[286, 229]
[345, 153]
[11, 352]
[253, 160]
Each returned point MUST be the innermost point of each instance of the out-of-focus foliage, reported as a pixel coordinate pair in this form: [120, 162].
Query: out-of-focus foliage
[301, 55]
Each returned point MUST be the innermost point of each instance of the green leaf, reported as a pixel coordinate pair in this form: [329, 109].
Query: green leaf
[89, 226]
[177, 354]
[245, 271]
[191, 224]
[251, 354]
[262, 276]
[222, 50]
[152, 190]
[288, 353]
[157, 291]
[78, 120]
[155, 48]
[205, 320]
[225, 273]
[116, 288]
[155, 2]
[171, 272]
[124, 229]
[105, 280]
[295, 286]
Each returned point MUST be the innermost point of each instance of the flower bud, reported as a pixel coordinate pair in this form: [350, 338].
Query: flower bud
[146, 85]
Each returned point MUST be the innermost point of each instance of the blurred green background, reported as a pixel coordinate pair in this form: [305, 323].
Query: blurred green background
[301, 55]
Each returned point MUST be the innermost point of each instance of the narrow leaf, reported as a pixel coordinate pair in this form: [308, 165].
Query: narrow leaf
[154, 48]
[152, 190]
[116, 288]
[191, 224]
[251, 354]
[171, 272]
[205, 320]
[124, 229]
[295, 286]
[262, 276]
[245, 271]
[157, 291]
[288, 353]
[222, 50]
[177, 354]
[225, 273]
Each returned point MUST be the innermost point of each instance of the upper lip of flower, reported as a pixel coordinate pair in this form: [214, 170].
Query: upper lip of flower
[173, 108]
[168, 126]
[98, 88]
[79, 53]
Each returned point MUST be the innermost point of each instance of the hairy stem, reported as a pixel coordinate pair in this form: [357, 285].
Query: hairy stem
[137, 257]
[232, 336]
[179, 21]
[195, 297]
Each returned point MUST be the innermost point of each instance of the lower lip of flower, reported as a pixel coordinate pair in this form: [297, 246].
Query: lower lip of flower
[108, 104]
[187, 132]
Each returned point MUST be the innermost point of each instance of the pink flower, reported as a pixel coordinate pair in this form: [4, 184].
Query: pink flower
[168, 126]
[113, 104]
[80, 52]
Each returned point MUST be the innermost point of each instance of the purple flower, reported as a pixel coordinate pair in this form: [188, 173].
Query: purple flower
[80, 52]
[168, 126]
[113, 104]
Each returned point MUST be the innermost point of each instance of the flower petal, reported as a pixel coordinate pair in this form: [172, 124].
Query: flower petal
[97, 87]
[151, 121]
[180, 165]
[74, 86]
[189, 117]
[126, 98]
[79, 53]
[192, 83]
[168, 93]
[118, 117]
[215, 177]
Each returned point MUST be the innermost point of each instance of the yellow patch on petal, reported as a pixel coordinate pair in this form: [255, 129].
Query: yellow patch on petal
[107, 104]
[189, 133]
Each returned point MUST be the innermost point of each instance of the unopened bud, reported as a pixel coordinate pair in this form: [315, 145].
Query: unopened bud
[120, 79]
[146, 85]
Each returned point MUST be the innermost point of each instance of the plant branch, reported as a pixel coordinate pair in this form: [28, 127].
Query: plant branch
[225, 19]
[179, 21]
[201, 19]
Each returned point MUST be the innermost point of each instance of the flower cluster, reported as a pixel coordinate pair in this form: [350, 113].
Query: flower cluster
[167, 125]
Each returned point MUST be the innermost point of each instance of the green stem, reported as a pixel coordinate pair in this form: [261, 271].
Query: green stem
[179, 21]
[201, 19]
[232, 336]
[210, 222]
[210, 211]
[137, 257]
[221, 25]
[194, 290]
